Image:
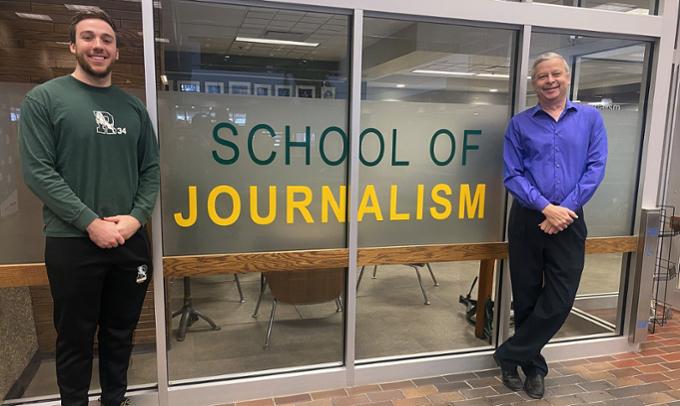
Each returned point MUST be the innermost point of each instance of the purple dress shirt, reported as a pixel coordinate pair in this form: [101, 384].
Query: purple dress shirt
[560, 162]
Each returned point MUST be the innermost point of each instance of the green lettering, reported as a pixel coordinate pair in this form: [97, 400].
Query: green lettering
[433, 141]
[467, 147]
[306, 144]
[226, 143]
[361, 143]
[395, 162]
[251, 150]
[322, 142]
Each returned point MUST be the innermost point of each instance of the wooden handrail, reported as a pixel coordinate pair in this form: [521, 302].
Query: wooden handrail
[33, 274]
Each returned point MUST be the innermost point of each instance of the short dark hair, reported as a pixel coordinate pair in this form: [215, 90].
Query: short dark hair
[85, 15]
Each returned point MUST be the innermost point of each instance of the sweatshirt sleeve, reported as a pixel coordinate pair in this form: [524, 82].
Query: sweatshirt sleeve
[37, 148]
[149, 170]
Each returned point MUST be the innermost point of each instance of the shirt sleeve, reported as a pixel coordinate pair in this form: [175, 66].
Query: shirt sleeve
[514, 173]
[149, 171]
[37, 148]
[595, 167]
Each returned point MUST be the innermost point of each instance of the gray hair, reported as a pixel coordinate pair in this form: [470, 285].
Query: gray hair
[545, 57]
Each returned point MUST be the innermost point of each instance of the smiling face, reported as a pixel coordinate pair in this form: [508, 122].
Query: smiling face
[551, 82]
[95, 50]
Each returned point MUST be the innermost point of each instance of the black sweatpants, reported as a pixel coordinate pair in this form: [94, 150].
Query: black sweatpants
[93, 287]
[545, 271]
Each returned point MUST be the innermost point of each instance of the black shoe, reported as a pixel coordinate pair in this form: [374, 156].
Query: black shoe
[534, 386]
[510, 376]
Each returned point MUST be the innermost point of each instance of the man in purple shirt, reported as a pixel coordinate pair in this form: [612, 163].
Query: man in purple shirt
[555, 155]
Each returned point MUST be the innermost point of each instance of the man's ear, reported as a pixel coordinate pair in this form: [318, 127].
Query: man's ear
[117, 54]
[72, 48]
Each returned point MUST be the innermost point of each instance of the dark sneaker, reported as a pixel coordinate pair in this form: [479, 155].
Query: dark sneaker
[510, 376]
[534, 386]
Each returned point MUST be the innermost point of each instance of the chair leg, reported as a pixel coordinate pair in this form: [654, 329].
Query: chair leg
[263, 286]
[422, 289]
[271, 324]
[238, 286]
[434, 280]
[361, 275]
[375, 271]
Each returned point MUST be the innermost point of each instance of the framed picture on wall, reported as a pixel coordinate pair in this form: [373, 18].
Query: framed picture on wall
[305, 91]
[327, 92]
[214, 87]
[283, 90]
[239, 88]
[191, 86]
[260, 89]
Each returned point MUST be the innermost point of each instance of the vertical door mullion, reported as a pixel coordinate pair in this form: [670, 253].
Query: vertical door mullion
[157, 242]
[353, 191]
[520, 104]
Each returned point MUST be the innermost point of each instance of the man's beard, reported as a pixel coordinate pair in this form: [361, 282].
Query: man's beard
[82, 61]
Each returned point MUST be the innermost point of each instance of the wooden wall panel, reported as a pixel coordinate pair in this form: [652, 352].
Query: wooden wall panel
[29, 51]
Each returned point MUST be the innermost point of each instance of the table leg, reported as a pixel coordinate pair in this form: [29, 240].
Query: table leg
[484, 288]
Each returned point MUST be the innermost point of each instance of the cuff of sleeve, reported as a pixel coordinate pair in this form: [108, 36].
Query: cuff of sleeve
[541, 203]
[571, 205]
[140, 215]
[86, 217]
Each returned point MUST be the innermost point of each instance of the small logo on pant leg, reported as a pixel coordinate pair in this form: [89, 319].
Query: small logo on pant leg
[141, 273]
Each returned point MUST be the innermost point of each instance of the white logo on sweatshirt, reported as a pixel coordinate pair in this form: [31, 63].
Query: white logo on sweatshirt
[105, 123]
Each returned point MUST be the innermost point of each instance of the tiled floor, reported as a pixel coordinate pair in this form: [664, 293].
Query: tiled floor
[649, 377]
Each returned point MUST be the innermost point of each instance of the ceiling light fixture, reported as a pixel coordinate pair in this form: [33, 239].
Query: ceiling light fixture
[30, 16]
[493, 90]
[493, 75]
[401, 85]
[156, 4]
[276, 42]
[442, 72]
[157, 39]
[80, 7]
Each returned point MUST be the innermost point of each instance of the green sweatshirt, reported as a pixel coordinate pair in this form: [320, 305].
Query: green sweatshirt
[87, 152]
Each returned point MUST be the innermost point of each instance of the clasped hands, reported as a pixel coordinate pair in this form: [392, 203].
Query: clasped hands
[557, 218]
[110, 232]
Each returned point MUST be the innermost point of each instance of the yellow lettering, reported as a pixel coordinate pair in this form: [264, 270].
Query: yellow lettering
[369, 204]
[188, 222]
[328, 200]
[465, 202]
[212, 205]
[394, 216]
[271, 214]
[442, 201]
[299, 205]
[419, 202]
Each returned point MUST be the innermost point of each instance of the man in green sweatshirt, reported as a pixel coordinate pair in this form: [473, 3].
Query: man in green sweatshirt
[90, 154]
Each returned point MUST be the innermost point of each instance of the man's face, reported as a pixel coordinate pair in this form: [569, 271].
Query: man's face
[95, 47]
[551, 81]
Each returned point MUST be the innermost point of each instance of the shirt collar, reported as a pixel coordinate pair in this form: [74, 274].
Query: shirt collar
[569, 106]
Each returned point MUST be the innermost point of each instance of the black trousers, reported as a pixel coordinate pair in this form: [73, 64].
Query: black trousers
[95, 288]
[545, 271]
